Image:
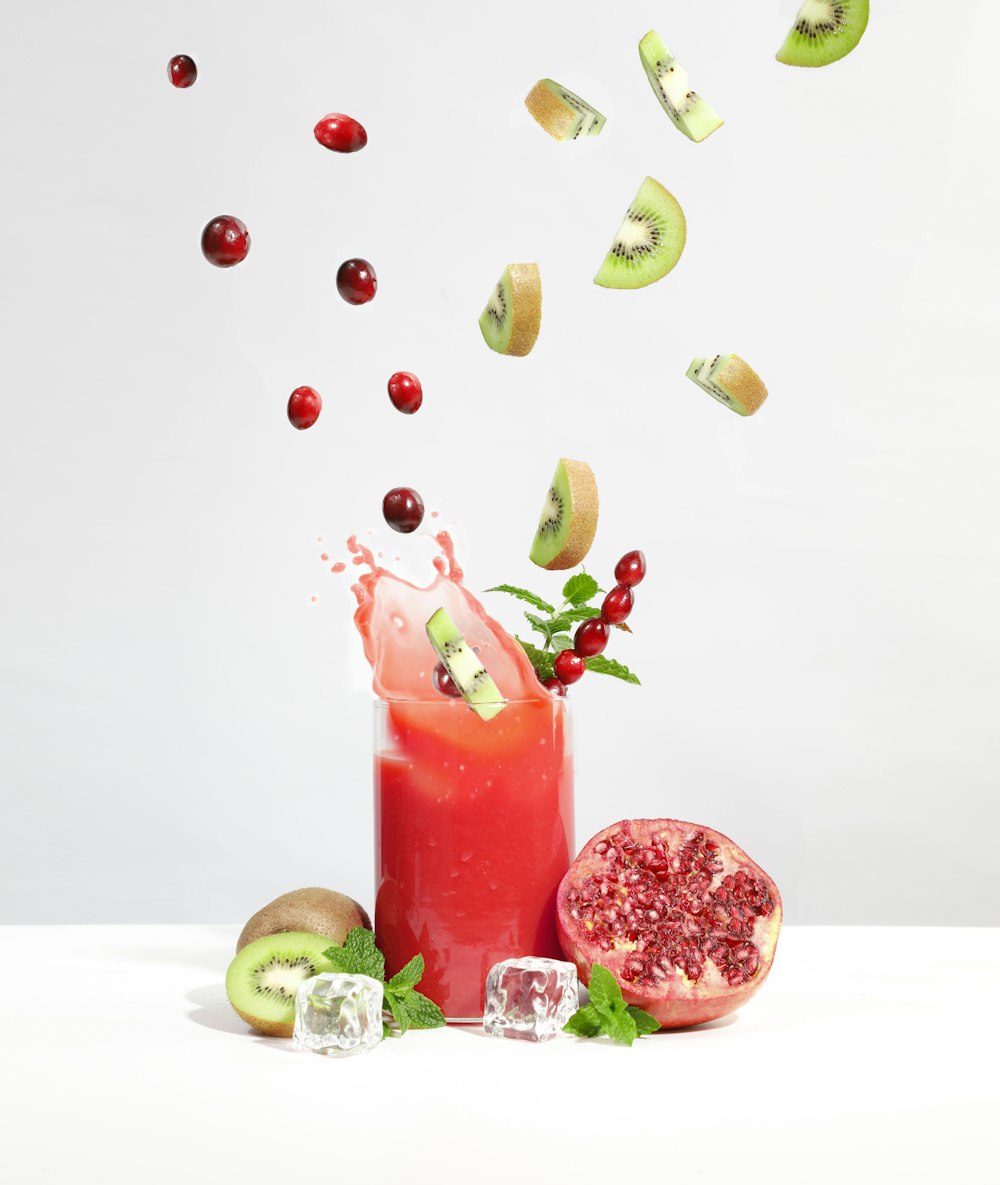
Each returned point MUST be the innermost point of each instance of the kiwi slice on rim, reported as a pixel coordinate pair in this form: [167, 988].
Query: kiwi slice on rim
[513, 314]
[824, 31]
[462, 663]
[668, 78]
[729, 379]
[562, 114]
[649, 241]
[263, 978]
[568, 521]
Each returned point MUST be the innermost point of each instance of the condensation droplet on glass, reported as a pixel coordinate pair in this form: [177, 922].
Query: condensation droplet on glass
[492, 884]
[453, 873]
[398, 622]
[466, 856]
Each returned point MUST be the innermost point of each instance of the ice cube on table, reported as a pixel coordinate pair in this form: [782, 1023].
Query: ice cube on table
[530, 998]
[338, 1014]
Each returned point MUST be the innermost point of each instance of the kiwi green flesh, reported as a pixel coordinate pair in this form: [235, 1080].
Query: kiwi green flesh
[669, 80]
[704, 371]
[263, 978]
[554, 521]
[497, 321]
[824, 31]
[589, 120]
[649, 241]
[461, 662]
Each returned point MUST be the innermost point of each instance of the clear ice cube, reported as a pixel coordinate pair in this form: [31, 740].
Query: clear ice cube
[530, 998]
[338, 1014]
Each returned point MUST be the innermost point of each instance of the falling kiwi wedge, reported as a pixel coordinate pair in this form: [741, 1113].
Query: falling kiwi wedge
[568, 521]
[513, 314]
[314, 910]
[687, 110]
[263, 978]
[727, 378]
[649, 241]
[824, 31]
[562, 114]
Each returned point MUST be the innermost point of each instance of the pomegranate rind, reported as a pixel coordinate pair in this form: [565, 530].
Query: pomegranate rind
[676, 1000]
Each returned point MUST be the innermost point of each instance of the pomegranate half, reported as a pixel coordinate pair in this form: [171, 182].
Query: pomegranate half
[683, 918]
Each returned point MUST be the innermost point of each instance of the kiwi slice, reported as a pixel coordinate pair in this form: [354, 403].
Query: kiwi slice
[727, 377]
[316, 911]
[649, 241]
[262, 980]
[669, 80]
[513, 313]
[568, 520]
[562, 114]
[462, 663]
[824, 31]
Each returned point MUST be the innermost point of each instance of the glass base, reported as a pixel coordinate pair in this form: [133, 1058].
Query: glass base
[464, 1020]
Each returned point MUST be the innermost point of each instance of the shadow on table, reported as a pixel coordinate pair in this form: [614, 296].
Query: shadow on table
[213, 1011]
[691, 1031]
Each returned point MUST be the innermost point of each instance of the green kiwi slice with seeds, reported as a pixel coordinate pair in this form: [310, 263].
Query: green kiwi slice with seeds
[824, 31]
[688, 111]
[649, 241]
[263, 978]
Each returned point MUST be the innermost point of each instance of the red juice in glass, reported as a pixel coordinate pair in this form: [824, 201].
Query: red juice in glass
[473, 818]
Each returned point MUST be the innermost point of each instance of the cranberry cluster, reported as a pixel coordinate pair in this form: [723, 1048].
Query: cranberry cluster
[592, 635]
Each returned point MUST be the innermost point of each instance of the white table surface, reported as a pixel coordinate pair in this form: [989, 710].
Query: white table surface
[870, 1055]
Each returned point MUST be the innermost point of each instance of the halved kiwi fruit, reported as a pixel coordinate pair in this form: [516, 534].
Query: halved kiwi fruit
[668, 78]
[568, 521]
[513, 314]
[263, 978]
[462, 663]
[824, 31]
[313, 910]
[649, 241]
[727, 378]
[562, 114]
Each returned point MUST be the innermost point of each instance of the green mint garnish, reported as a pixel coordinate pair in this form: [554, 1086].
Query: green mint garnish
[409, 1008]
[608, 1013]
[608, 666]
[522, 594]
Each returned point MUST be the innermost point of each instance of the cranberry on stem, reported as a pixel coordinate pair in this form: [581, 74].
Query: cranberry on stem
[630, 569]
[617, 604]
[568, 667]
[591, 637]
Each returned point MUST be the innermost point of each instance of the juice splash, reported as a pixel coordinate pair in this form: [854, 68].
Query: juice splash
[473, 818]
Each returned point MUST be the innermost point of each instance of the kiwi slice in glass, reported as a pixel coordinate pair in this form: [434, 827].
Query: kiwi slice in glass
[568, 521]
[461, 662]
[562, 114]
[649, 241]
[668, 78]
[824, 31]
[263, 978]
[513, 314]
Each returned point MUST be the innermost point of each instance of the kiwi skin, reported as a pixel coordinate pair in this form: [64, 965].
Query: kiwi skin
[584, 508]
[313, 910]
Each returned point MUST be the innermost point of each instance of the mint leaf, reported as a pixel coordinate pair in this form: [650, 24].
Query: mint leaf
[522, 594]
[561, 642]
[421, 1012]
[395, 1004]
[540, 659]
[585, 1022]
[608, 666]
[580, 589]
[360, 943]
[558, 624]
[620, 1025]
[409, 976]
[644, 1023]
[604, 989]
[342, 961]
[581, 614]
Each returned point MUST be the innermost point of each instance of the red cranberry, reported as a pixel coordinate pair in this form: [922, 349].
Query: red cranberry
[617, 604]
[356, 281]
[554, 685]
[591, 637]
[304, 406]
[443, 682]
[405, 392]
[182, 71]
[403, 509]
[225, 241]
[568, 667]
[630, 569]
[340, 133]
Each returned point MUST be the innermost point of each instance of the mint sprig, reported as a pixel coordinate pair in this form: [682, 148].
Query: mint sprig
[608, 1013]
[409, 1008]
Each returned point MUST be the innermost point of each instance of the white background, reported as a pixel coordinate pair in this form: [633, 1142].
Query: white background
[185, 734]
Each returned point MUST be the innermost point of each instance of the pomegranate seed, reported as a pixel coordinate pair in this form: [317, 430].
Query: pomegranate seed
[553, 684]
[304, 406]
[590, 638]
[405, 392]
[443, 682]
[340, 133]
[568, 666]
[182, 71]
[617, 604]
[630, 569]
[403, 509]
[356, 281]
[225, 241]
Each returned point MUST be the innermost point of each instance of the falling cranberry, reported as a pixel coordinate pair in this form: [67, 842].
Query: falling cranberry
[630, 569]
[617, 604]
[443, 682]
[554, 685]
[591, 637]
[340, 133]
[356, 281]
[568, 667]
[304, 406]
[403, 509]
[405, 392]
[225, 241]
[182, 71]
